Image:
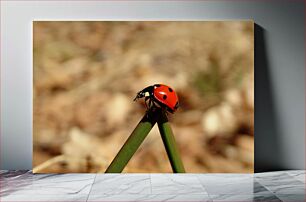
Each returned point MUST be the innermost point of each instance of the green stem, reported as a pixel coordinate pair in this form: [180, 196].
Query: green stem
[133, 142]
[170, 144]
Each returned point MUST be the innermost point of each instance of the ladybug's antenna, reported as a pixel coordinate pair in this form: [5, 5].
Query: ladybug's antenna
[139, 95]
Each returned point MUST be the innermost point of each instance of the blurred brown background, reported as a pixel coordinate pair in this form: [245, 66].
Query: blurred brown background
[86, 75]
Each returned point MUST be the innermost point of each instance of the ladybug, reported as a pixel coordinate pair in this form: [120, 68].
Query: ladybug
[159, 95]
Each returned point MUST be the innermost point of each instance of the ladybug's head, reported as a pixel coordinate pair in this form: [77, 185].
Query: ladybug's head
[139, 95]
[146, 92]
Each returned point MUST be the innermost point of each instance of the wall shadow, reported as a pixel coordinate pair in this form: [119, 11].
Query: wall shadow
[267, 137]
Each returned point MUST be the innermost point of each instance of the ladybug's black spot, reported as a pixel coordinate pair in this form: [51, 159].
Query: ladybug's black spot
[157, 85]
[165, 97]
[170, 89]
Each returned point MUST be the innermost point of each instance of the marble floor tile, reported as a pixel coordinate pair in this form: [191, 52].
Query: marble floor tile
[275, 175]
[216, 184]
[43, 198]
[245, 198]
[151, 197]
[182, 197]
[14, 174]
[258, 189]
[282, 184]
[121, 184]
[266, 197]
[176, 184]
[287, 186]
[3, 171]
[298, 175]
[48, 184]
[14, 180]
[291, 197]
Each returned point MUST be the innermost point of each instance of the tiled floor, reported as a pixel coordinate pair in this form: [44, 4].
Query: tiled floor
[271, 186]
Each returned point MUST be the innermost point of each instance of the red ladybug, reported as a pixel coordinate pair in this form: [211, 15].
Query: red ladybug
[160, 95]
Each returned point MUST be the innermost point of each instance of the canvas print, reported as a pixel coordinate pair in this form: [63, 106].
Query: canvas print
[143, 96]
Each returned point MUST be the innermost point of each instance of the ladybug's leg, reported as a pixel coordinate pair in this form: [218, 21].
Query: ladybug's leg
[146, 99]
[154, 104]
[151, 103]
[164, 109]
